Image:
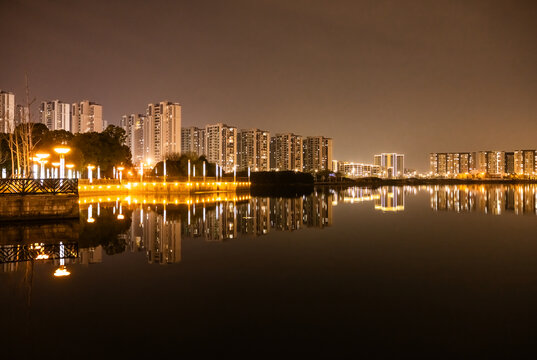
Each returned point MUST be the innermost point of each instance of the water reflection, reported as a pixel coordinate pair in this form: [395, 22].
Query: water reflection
[517, 199]
[387, 198]
[156, 225]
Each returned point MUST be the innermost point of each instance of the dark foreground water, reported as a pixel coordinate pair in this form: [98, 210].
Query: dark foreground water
[433, 270]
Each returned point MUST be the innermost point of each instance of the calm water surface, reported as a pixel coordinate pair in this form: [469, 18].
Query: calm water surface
[391, 270]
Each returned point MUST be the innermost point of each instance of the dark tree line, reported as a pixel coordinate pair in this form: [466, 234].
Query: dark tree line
[106, 149]
[177, 166]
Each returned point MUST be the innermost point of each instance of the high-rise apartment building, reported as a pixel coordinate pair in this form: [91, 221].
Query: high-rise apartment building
[509, 162]
[496, 162]
[56, 115]
[22, 115]
[221, 145]
[162, 131]
[7, 112]
[451, 164]
[524, 162]
[133, 125]
[253, 150]
[391, 164]
[193, 140]
[482, 161]
[286, 152]
[86, 116]
[317, 153]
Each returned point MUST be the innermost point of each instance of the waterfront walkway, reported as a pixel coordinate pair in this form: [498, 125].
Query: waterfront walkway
[196, 186]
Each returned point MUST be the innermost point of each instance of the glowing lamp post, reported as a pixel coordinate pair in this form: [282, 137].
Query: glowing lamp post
[204, 171]
[62, 150]
[248, 174]
[41, 159]
[55, 169]
[120, 172]
[141, 172]
[235, 173]
[70, 170]
[35, 167]
[42, 172]
[90, 173]
[188, 170]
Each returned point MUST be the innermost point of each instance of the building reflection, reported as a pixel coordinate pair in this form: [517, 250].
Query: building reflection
[496, 200]
[385, 199]
[157, 228]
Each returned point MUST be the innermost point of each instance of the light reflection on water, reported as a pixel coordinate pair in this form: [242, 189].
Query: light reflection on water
[156, 224]
[389, 259]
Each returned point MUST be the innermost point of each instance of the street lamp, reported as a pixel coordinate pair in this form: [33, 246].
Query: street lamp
[70, 171]
[55, 169]
[40, 158]
[62, 150]
[42, 172]
[120, 171]
[90, 173]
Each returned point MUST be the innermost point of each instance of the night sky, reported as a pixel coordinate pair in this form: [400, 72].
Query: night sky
[376, 76]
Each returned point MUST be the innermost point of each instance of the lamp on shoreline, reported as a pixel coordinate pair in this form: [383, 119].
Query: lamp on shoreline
[62, 150]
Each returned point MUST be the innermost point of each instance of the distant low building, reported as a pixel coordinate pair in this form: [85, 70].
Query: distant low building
[351, 169]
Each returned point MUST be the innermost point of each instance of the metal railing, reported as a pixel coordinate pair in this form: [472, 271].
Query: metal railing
[225, 178]
[27, 252]
[38, 186]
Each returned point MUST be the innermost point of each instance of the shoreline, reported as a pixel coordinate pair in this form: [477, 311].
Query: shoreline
[377, 182]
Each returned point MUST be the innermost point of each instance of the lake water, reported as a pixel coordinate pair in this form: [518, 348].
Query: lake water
[390, 270]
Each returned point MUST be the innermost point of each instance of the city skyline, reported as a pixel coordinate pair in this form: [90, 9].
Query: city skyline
[374, 76]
